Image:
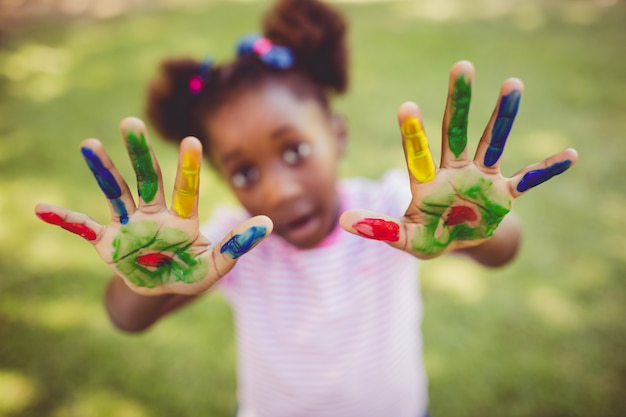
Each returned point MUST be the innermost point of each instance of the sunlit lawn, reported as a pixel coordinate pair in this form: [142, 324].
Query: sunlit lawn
[545, 336]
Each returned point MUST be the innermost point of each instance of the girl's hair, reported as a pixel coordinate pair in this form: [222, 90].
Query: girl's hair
[313, 32]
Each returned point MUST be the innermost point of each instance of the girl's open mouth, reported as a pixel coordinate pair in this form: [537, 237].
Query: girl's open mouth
[299, 222]
[301, 229]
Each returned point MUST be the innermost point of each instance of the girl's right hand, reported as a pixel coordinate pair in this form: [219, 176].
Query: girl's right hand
[155, 250]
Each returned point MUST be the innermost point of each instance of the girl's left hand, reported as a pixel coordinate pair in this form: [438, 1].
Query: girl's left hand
[461, 204]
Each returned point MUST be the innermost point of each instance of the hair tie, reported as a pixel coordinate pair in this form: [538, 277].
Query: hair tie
[196, 82]
[273, 55]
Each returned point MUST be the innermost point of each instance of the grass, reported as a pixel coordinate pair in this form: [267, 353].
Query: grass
[544, 336]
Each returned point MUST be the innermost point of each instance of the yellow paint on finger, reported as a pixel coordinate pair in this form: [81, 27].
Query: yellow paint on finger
[187, 184]
[418, 156]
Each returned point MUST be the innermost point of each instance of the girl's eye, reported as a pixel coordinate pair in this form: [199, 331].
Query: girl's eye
[297, 152]
[244, 177]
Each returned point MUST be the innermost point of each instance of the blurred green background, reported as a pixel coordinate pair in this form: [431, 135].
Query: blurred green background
[545, 336]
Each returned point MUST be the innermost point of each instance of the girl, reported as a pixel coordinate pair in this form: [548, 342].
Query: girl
[326, 321]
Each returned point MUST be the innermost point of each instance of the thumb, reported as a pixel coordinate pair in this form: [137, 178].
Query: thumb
[398, 233]
[239, 241]
[374, 226]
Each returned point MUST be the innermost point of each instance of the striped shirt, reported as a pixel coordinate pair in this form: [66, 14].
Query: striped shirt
[332, 331]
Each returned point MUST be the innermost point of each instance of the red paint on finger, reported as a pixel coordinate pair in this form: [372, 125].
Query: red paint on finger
[153, 260]
[460, 214]
[378, 229]
[76, 228]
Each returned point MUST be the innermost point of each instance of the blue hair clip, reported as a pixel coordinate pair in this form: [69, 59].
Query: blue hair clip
[196, 82]
[273, 55]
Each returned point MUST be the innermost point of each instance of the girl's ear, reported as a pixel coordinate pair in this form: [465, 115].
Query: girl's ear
[340, 130]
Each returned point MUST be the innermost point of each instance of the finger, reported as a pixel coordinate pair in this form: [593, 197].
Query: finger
[419, 159]
[541, 172]
[77, 223]
[400, 234]
[243, 238]
[110, 181]
[455, 119]
[238, 242]
[494, 138]
[374, 226]
[145, 164]
[185, 198]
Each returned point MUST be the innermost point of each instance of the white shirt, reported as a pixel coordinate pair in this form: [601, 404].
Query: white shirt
[332, 331]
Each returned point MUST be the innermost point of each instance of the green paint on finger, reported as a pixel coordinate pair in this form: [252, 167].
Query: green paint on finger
[149, 256]
[141, 158]
[460, 103]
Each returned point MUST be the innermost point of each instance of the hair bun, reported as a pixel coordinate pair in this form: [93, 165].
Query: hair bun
[316, 33]
[172, 96]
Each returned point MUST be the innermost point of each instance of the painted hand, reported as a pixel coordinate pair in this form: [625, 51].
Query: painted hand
[462, 203]
[155, 249]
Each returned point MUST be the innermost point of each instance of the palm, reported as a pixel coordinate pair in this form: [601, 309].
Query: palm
[155, 249]
[462, 203]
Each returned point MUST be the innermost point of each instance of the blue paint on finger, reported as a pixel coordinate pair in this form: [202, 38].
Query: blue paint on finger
[105, 179]
[120, 208]
[107, 183]
[240, 244]
[533, 178]
[507, 111]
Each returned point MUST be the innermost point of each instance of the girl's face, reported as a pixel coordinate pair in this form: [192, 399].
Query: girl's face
[279, 154]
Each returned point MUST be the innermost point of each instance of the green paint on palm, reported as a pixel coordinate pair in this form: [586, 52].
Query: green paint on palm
[147, 178]
[460, 103]
[145, 237]
[468, 188]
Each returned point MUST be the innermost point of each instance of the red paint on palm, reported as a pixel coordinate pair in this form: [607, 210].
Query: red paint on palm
[153, 260]
[460, 214]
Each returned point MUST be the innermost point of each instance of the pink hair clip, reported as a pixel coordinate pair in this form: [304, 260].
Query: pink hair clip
[196, 82]
[273, 55]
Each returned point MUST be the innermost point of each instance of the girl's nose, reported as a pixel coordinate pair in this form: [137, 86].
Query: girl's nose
[282, 186]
